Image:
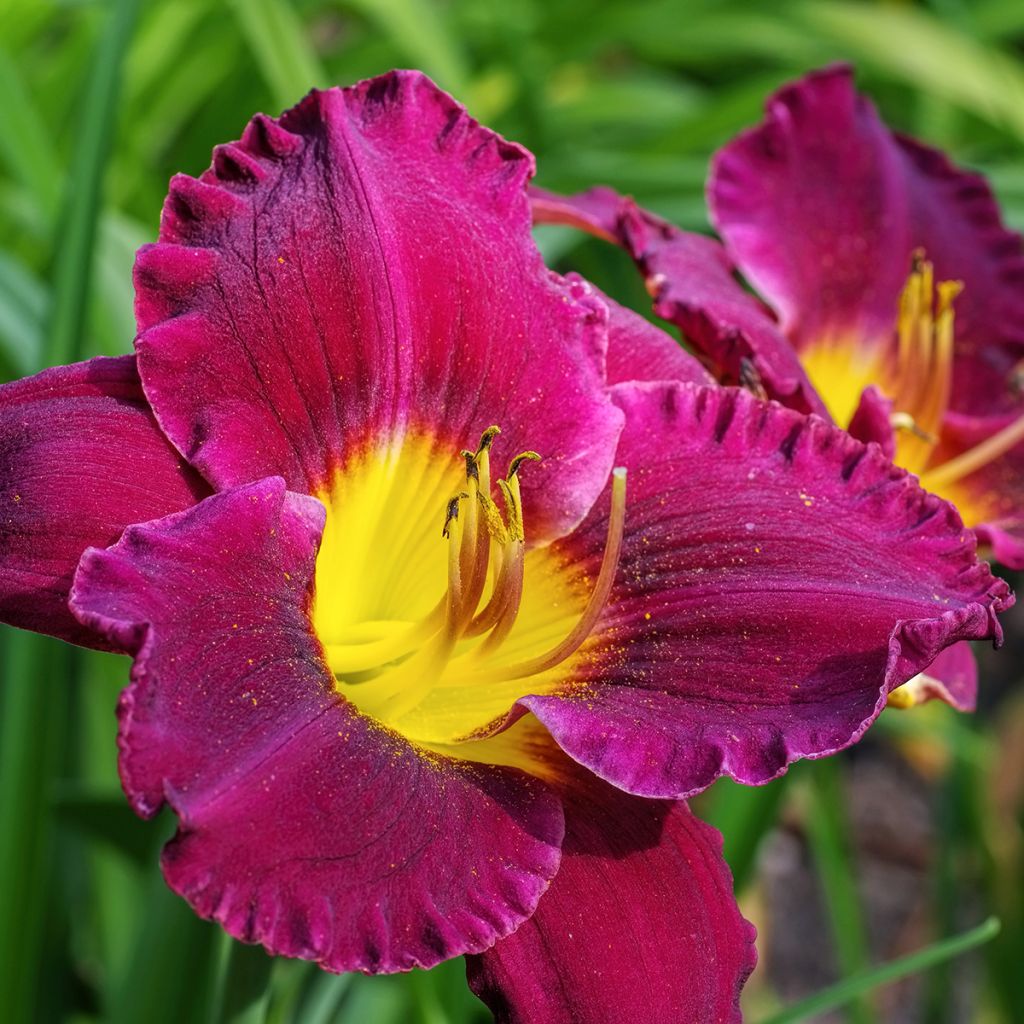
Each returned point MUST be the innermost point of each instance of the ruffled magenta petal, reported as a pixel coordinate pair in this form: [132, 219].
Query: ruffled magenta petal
[822, 207]
[692, 282]
[358, 269]
[80, 458]
[640, 924]
[872, 421]
[304, 825]
[812, 203]
[638, 350]
[777, 580]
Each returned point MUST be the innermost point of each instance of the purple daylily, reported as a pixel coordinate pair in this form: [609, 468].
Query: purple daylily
[389, 743]
[825, 210]
[896, 302]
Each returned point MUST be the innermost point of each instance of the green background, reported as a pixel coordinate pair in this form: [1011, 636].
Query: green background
[101, 102]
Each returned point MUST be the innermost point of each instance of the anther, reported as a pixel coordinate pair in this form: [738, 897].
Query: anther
[513, 509]
[904, 421]
[514, 465]
[487, 439]
[472, 469]
[452, 513]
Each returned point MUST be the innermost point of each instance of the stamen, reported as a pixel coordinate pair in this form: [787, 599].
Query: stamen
[453, 530]
[974, 458]
[394, 666]
[904, 421]
[452, 513]
[487, 439]
[924, 365]
[513, 508]
[598, 597]
[513, 469]
[511, 587]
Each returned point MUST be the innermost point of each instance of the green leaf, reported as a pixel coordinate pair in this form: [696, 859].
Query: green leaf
[240, 991]
[23, 302]
[744, 815]
[107, 819]
[844, 992]
[24, 145]
[915, 47]
[167, 980]
[74, 243]
[417, 29]
[32, 731]
[829, 835]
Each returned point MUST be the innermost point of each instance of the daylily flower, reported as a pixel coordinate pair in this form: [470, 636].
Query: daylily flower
[896, 302]
[411, 691]
[895, 280]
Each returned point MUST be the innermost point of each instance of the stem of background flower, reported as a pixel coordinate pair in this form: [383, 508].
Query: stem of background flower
[857, 986]
[829, 836]
[37, 671]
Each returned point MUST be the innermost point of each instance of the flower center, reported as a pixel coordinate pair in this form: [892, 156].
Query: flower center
[918, 376]
[433, 613]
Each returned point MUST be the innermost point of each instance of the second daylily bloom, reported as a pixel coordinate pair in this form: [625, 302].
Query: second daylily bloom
[895, 280]
[412, 691]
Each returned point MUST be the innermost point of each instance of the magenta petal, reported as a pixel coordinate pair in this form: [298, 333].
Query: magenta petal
[637, 350]
[777, 580]
[640, 924]
[691, 279]
[304, 825]
[822, 206]
[952, 677]
[80, 458]
[991, 498]
[364, 266]
[872, 421]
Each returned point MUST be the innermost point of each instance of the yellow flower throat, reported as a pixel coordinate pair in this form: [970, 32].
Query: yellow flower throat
[918, 377]
[446, 667]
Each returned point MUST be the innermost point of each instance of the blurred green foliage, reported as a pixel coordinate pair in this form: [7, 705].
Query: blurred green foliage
[100, 102]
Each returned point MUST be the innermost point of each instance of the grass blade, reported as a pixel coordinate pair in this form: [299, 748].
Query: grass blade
[75, 243]
[849, 989]
[278, 41]
[745, 815]
[39, 670]
[828, 832]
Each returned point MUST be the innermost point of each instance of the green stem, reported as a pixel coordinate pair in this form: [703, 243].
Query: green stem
[849, 989]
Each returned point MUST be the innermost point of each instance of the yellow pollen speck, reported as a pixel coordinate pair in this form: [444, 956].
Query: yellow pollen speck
[280, 259]
[647, 615]
[17, 499]
[254, 702]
